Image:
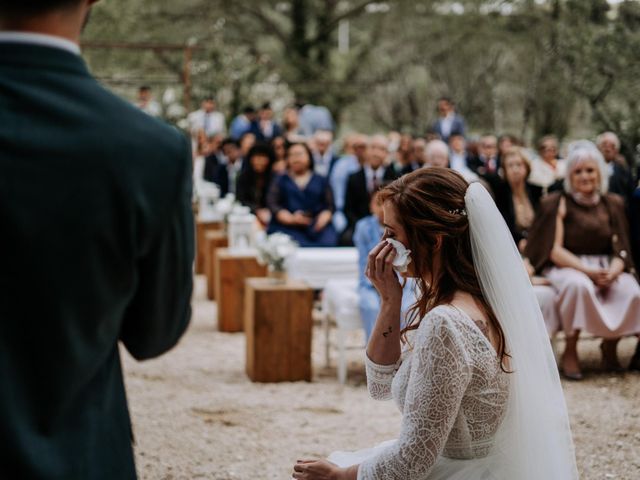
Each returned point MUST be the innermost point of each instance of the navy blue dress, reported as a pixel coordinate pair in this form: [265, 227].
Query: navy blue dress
[313, 199]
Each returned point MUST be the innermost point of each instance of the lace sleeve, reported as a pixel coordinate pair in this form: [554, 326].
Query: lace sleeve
[379, 378]
[440, 374]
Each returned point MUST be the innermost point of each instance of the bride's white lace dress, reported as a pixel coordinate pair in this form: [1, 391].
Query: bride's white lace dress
[453, 396]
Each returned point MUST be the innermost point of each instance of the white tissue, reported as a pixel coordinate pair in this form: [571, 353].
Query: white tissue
[403, 256]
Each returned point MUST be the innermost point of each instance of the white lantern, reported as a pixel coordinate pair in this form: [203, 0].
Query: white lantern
[208, 194]
[242, 231]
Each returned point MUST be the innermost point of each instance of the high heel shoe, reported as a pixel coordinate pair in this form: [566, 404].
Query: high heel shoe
[572, 376]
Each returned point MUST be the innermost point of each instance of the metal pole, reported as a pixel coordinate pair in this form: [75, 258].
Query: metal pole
[186, 77]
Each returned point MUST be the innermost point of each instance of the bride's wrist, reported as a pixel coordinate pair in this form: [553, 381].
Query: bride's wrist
[348, 473]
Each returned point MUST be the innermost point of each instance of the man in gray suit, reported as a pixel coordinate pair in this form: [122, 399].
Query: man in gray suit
[96, 248]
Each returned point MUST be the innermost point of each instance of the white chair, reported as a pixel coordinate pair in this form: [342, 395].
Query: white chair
[340, 304]
[317, 266]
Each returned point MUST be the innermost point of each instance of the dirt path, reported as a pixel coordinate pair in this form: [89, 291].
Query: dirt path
[196, 415]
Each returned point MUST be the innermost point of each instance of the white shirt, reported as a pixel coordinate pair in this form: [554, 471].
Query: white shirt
[458, 161]
[370, 174]
[32, 38]
[445, 125]
[322, 163]
[211, 123]
[152, 108]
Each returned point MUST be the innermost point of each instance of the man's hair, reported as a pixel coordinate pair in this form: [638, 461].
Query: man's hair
[27, 8]
[143, 88]
[229, 141]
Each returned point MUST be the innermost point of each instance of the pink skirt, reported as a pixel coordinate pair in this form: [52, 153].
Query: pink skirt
[609, 313]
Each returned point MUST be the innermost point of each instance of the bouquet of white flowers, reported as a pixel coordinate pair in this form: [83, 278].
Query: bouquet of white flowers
[274, 251]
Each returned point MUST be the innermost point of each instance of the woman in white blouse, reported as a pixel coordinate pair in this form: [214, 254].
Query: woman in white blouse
[472, 371]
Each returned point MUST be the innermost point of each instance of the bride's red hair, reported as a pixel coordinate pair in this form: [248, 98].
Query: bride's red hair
[431, 208]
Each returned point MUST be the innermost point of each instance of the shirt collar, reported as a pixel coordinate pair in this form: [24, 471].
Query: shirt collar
[40, 39]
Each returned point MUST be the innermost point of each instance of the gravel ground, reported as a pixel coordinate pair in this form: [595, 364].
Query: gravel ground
[196, 414]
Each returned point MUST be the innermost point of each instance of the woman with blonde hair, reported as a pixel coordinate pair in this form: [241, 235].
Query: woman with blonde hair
[580, 242]
[472, 371]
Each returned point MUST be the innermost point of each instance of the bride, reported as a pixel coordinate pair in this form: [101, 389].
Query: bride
[472, 371]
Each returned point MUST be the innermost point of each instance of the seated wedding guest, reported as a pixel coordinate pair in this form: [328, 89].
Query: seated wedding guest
[247, 140]
[368, 233]
[224, 174]
[516, 198]
[418, 149]
[403, 161]
[485, 163]
[353, 157]
[146, 103]
[254, 181]
[265, 128]
[506, 142]
[211, 149]
[458, 155]
[207, 119]
[580, 241]
[437, 154]
[362, 183]
[548, 170]
[279, 147]
[241, 124]
[301, 201]
[620, 177]
[322, 149]
[291, 130]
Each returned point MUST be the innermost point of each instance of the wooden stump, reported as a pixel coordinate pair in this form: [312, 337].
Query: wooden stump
[213, 241]
[201, 229]
[231, 270]
[278, 327]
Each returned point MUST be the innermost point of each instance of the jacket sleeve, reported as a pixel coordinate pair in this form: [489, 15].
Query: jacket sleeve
[542, 232]
[621, 241]
[160, 309]
[441, 371]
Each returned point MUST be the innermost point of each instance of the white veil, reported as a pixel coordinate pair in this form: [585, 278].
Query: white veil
[534, 441]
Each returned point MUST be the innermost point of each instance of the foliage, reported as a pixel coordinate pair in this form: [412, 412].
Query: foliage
[529, 67]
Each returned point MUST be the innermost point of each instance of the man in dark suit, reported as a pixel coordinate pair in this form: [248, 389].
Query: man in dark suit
[265, 129]
[97, 248]
[364, 182]
[225, 173]
[620, 177]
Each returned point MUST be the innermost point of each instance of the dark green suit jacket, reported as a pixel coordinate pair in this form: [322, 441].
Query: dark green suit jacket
[96, 246]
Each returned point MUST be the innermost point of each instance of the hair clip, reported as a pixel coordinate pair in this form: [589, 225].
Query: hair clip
[458, 211]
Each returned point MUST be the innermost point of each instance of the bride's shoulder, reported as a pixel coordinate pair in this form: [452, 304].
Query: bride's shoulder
[442, 317]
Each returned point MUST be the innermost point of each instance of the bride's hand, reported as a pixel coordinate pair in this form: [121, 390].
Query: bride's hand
[317, 470]
[381, 273]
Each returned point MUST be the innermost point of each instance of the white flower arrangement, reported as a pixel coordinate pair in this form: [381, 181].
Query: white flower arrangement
[275, 249]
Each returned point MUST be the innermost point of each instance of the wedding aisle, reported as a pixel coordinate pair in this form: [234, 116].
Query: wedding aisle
[196, 415]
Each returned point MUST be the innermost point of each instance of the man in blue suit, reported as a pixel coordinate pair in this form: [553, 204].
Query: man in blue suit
[97, 249]
[449, 122]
